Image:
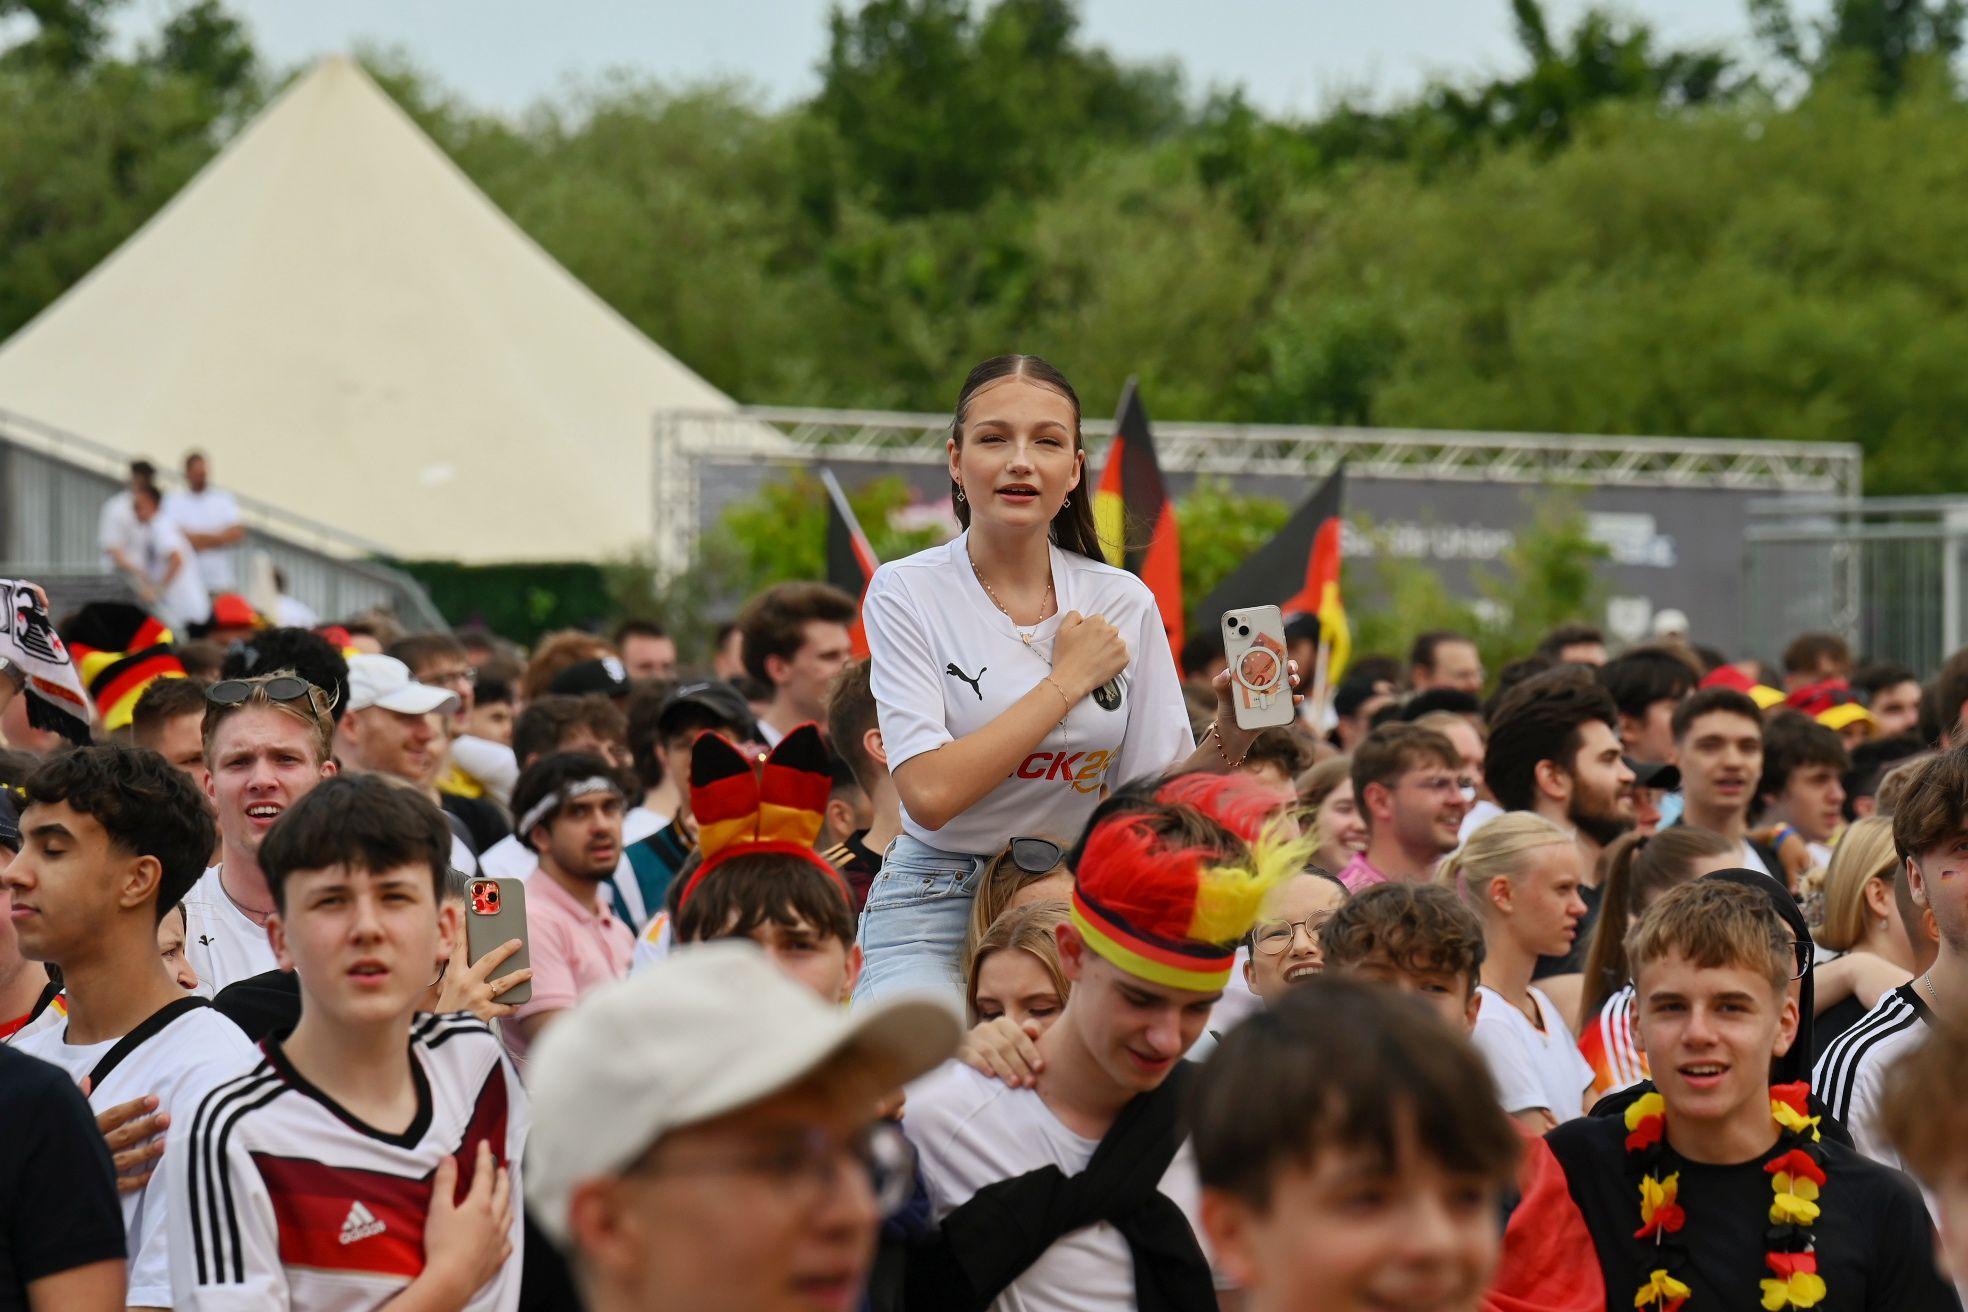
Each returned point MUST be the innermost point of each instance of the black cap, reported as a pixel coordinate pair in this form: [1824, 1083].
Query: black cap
[1654, 774]
[605, 676]
[719, 700]
[1354, 692]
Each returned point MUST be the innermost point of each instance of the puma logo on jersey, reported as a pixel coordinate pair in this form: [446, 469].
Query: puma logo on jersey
[205, 940]
[361, 1223]
[956, 673]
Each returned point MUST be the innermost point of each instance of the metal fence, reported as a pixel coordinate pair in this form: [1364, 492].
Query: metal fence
[1886, 572]
[52, 487]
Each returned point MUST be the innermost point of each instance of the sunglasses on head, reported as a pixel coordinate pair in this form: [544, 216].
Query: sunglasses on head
[277, 687]
[1035, 856]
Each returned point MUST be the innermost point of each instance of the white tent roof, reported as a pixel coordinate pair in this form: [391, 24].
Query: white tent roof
[353, 332]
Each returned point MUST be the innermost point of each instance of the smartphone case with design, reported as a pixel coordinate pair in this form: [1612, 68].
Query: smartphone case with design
[1260, 674]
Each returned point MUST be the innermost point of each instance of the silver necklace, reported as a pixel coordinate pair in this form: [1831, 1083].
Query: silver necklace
[1928, 980]
[1044, 602]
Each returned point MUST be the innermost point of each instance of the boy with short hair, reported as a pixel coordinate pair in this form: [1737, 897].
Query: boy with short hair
[1343, 1159]
[1417, 938]
[1718, 743]
[854, 731]
[1407, 781]
[365, 1159]
[111, 839]
[1162, 893]
[1802, 790]
[793, 905]
[1717, 1189]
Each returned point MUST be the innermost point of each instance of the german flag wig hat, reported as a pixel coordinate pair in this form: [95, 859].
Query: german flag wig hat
[741, 811]
[1168, 909]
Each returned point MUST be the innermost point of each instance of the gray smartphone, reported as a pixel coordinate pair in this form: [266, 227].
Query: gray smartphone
[495, 911]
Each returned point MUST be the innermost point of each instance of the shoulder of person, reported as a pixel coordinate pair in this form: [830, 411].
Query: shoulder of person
[1592, 1138]
[1108, 580]
[946, 1099]
[1888, 1195]
[453, 1029]
[25, 1078]
[893, 572]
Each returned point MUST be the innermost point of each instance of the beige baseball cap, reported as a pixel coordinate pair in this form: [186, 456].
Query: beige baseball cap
[708, 1030]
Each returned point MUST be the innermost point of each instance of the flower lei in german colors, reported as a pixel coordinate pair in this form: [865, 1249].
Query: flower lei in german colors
[1796, 1176]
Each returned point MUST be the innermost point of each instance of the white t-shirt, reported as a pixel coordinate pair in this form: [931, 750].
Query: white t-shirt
[970, 1131]
[210, 511]
[117, 527]
[1851, 1075]
[178, 1064]
[292, 1202]
[1531, 1068]
[293, 613]
[222, 944]
[184, 599]
[947, 662]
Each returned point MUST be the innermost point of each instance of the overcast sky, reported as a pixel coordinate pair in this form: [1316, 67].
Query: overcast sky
[1290, 55]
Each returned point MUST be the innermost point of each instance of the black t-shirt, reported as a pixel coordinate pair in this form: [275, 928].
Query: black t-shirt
[261, 1005]
[58, 1205]
[1874, 1238]
[483, 822]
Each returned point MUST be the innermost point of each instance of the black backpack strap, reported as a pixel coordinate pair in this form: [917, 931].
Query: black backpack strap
[141, 1035]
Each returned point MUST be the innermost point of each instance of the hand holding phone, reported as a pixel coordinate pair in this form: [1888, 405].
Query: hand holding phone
[1260, 671]
[495, 912]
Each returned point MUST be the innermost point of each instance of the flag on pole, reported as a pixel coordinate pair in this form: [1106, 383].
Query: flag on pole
[1298, 570]
[1135, 518]
[851, 561]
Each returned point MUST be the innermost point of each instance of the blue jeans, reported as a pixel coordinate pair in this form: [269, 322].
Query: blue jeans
[912, 928]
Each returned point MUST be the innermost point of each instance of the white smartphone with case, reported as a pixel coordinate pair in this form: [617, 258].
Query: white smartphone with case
[1260, 672]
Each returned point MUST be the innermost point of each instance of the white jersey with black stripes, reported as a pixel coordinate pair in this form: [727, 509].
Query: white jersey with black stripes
[291, 1201]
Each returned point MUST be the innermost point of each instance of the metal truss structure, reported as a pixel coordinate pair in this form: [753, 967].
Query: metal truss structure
[687, 440]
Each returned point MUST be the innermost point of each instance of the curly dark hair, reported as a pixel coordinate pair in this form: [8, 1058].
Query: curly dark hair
[1422, 927]
[146, 805]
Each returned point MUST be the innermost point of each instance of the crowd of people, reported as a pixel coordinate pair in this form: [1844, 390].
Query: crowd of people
[1001, 968]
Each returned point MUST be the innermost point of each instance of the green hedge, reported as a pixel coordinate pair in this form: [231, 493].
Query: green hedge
[518, 601]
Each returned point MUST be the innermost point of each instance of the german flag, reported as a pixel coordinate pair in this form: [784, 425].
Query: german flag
[851, 561]
[118, 649]
[1135, 518]
[1298, 570]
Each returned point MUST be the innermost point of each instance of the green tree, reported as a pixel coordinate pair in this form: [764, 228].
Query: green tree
[1220, 528]
[1887, 39]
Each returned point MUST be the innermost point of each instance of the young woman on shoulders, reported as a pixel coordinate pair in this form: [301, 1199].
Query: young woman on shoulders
[1018, 677]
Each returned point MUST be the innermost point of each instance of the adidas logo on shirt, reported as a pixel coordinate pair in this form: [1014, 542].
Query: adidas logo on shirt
[360, 1224]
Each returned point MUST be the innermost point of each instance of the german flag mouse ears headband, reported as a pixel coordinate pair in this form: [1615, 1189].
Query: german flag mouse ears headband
[741, 811]
[1175, 916]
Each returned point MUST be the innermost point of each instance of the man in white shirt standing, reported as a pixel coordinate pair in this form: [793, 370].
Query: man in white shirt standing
[111, 838]
[267, 744]
[117, 531]
[209, 519]
[166, 577]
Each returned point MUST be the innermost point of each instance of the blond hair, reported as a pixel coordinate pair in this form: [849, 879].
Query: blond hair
[1498, 848]
[1864, 854]
[1715, 923]
[315, 713]
[1022, 929]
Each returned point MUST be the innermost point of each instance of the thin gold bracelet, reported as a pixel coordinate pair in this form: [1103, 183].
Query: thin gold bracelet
[1217, 734]
[1062, 696]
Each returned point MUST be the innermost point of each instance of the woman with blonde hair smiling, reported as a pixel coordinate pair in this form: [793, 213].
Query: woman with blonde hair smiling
[1014, 988]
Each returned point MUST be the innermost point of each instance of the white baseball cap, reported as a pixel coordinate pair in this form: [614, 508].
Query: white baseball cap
[385, 681]
[708, 1030]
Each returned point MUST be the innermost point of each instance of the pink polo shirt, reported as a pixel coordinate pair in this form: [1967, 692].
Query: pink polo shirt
[573, 949]
[1360, 874]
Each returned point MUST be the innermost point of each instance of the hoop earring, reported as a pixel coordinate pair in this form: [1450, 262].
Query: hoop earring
[960, 492]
